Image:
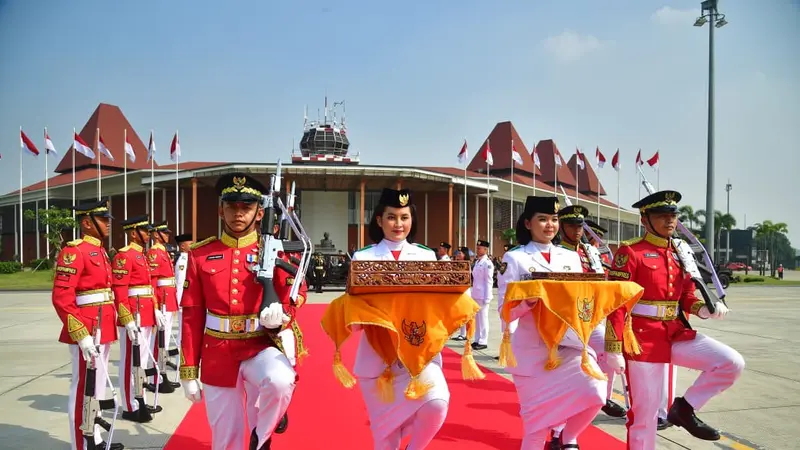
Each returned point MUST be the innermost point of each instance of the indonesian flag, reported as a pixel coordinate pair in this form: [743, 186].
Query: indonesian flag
[487, 154]
[462, 154]
[81, 146]
[27, 144]
[129, 149]
[615, 161]
[535, 157]
[579, 159]
[48, 145]
[175, 148]
[101, 147]
[639, 161]
[151, 148]
[515, 154]
[557, 154]
[653, 161]
[601, 159]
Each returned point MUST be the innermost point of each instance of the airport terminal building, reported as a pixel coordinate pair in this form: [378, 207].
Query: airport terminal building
[335, 193]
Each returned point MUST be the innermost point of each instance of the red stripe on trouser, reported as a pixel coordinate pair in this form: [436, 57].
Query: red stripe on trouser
[128, 367]
[154, 341]
[631, 416]
[670, 392]
[80, 441]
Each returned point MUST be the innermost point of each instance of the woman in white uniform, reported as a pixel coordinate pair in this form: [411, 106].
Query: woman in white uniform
[566, 394]
[392, 228]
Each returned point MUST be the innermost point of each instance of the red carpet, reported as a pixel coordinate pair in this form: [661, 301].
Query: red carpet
[483, 414]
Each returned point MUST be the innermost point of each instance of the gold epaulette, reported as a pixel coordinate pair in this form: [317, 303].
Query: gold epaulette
[635, 240]
[124, 249]
[74, 243]
[205, 241]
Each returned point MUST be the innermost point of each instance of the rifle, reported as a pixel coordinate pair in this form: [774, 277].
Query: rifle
[139, 374]
[271, 246]
[91, 405]
[591, 251]
[689, 260]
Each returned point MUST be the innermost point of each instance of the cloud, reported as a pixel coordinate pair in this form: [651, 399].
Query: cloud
[571, 46]
[671, 16]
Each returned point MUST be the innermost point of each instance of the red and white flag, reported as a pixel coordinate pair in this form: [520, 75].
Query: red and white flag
[48, 145]
[129, 149]
[487, 154]
[515, 154]
[639, 160]
[535, 158]
[557, 154]
[101, 147]
[151, 148]
[27, 144]
[81, 147]
[579, 159]
[601, 158]
[175, 148]
[653, 161]
[615, 161]
[462, 154]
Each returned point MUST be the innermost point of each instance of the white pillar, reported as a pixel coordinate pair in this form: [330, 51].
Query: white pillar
[477, 217]
[17, 230]
[164, 204]
[426, 219]
[183, 212]
[38, 232]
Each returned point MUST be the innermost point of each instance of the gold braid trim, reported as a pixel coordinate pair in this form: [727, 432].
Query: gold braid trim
[613, 346]
[189, 372]
[125, 316]
[76, 329]
[696, 306]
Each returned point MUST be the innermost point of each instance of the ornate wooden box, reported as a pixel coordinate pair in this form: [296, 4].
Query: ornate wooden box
[567, 276]
[408, 276]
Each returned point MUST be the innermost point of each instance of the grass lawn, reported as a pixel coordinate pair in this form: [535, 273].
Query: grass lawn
[41, 280]
[768, 281]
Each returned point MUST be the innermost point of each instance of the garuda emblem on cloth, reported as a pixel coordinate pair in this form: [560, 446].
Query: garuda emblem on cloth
[68, 258]
[413, 333]
[585, 309]
[121, 263]
[620, 261]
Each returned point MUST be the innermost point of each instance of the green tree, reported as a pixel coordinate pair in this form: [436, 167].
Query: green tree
[510, 235]
[59, 220]
[687, 214]
[772, 236]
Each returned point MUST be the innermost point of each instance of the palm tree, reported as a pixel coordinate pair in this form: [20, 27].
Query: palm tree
[767, 232]
[727, 222]
[721, 221]
[687, 214]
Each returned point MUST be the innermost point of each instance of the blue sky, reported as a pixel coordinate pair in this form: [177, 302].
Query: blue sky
[234, 77]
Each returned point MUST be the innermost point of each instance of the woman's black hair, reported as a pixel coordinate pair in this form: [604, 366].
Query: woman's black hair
[376, 232]
[524, 234]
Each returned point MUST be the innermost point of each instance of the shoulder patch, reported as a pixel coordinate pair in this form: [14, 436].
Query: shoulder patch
[74, 243]
[203, 242]
[364, 248]
[124, 249]
[422, 246]
[635, 240]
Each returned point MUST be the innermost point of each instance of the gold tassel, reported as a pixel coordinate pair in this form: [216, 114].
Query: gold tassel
[507, 358]
[384, 385]
[340, 371]
[469, 369]
[416, 389]
[299, 344]
[629, 342]
[588, 367]
[553, 360]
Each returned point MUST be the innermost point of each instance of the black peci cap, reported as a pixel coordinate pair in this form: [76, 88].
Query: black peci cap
[481, 243]
[183, 238]
[544, 205]
[395, 198]
[445, 245]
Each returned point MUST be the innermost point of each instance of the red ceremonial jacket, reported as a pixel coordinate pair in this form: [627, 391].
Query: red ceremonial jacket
[161, 268]
[652, 263]
[132, 272]
[586, 265]
[81, 288]
[221, 284]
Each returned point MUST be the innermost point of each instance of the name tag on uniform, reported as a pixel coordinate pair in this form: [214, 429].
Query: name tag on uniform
[651, 255]
[251, 258]
[213, 257]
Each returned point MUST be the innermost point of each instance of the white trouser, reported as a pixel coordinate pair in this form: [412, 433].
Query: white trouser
[597, 340]
[512, 327]
[125, 378]
[168, 316]
[670, 385]
[720, 365]
[271, 379]
[178, 339]
[287, 339]
[482, 322]
[76, 390]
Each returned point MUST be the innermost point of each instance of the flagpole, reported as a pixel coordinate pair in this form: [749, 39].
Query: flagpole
[511, 213]
[177, 188]
[619, 215]
[658, 175]
[46, 194]
[97, 150]
[488, 223]
[21, 230]
[533, 158]
[639, 177]
[465, 196]
[75, 229]
[125, 175]
[152, 182]
[577, 174]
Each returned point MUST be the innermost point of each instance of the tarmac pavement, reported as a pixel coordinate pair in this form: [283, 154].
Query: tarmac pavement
[756, 413]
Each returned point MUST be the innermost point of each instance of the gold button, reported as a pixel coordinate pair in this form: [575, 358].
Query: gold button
[236, 261]
[233, 302]
[236, 252]
[234, 291]
[235, 281]
[213, 270]
[670, 293]
[235, 271]
[670, 276]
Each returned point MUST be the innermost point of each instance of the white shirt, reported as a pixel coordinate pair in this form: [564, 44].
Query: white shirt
[180, 274]
[482, 278]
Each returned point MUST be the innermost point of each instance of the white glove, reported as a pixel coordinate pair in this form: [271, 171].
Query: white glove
[523, 307]
[88, 348]
[191, 389]
[720, 313]
[273, 317]
[161, 321]
[615, 362]
[132, 330]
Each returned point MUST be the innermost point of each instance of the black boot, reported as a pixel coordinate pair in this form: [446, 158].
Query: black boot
[567, 446]
[114, 446]
[141, 415]
[254, 442]
[613, 410]
[283, 424]
[555, 442]
[682, 415]
[663, 424]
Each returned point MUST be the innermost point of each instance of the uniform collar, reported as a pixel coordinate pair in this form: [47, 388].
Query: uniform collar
[136, 247]
[158, 246]
[569, 246]
[92, 240]
[656, 240]
[245, 241]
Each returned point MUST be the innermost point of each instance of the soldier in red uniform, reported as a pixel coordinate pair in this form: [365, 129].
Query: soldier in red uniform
[81, 295]
[226, 334]
[600, 232]
[662, 332]
[162, 274]
[133, 295]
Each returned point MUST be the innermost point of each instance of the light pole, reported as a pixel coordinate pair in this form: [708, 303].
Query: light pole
[710, 15]
[728, 188]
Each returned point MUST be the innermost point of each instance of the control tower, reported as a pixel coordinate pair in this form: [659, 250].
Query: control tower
[325, 141]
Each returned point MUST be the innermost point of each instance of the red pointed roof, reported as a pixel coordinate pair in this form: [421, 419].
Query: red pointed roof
[546, 150]
[500, 142]
[112, 124]
[587, 179]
